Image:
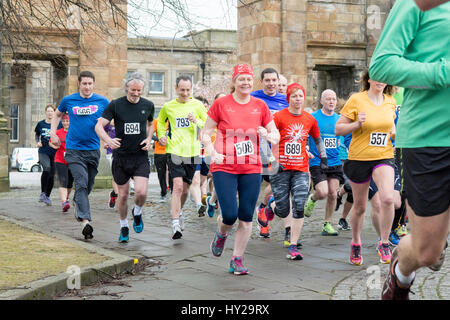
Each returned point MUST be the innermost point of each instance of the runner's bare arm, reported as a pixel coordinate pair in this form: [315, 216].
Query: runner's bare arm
[54, 126]
[207, 132]
[100, 130]
[345, 125]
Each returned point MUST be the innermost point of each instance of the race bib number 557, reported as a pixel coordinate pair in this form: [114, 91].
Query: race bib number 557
[378, 139]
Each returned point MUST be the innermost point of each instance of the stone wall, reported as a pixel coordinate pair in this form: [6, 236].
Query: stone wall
[318, 43]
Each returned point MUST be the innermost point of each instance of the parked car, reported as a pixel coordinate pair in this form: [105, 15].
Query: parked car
[26, 159]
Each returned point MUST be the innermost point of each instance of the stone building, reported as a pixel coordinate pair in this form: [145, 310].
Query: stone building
[37, 80]
[318, 43]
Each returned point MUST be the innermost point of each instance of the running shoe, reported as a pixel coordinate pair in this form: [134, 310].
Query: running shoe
[42, 197]
[338, 202]
[438, 265]
[269, 212]
[65, 206]
[132, 191]
[293, 253]
[210, 207]
[124, 234]
[384, 252]
[402, 231]
[176, 231]
[355, 254]
[138, 222]
[264, 232]
[112, 199]
[162, 199]
[309, 206]
[237, 267]
[201, 210]
[391, 287]
[87, 232]
[394, 238]
[204, 199]
[47, 201]
[343, 225]
[328, 230]
[218, 244]
[262, 218]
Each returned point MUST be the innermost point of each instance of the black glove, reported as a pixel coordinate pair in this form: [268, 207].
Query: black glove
[323, 163]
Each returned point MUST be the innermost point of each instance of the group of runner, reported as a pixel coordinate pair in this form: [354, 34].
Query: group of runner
[249, 136]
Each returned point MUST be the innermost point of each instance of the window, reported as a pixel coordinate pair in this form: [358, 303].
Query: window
[14, 122]
[156, 83]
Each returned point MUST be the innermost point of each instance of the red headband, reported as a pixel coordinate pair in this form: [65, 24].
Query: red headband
[293, 86]
[242, 69]
[65, 116]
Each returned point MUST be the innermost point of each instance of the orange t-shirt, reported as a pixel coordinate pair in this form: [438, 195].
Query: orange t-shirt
[294, 132]
[159, 149]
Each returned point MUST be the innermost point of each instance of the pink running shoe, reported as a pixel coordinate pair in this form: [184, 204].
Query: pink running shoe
[269, 212]
[355, 254]
[384, 252]
[65, 206]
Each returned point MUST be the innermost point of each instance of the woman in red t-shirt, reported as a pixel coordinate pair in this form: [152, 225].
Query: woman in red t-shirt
[64, 175]
[241, 120]
[294, 126]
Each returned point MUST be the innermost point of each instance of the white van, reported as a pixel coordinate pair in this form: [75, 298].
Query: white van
[26, 159]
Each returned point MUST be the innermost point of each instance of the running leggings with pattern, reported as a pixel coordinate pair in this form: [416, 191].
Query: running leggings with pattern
[286, 183]
[228, 186]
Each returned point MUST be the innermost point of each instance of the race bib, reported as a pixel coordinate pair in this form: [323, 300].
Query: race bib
[378, 139]
[244, 148]
[330, 143]
[85, 111]
[132, 128]
[182, 122]
[292, 149]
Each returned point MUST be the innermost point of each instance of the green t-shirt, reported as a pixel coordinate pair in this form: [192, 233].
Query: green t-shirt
[413, 53]
[182, 138]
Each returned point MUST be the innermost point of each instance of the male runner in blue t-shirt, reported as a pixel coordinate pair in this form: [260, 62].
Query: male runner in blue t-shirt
[326, 182]
[82, 143]
[276, 101]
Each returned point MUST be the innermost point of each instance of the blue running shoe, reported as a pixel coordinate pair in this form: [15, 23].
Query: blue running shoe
[218, 244]
[209, 207]
[138, 222]
[124, 235]
[394, 239]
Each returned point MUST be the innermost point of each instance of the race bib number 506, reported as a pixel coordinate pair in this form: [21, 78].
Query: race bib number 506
[378, 139]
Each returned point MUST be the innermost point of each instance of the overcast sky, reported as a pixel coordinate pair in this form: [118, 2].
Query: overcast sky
[150, 18]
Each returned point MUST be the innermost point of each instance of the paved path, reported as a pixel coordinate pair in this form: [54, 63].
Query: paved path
[186, 267]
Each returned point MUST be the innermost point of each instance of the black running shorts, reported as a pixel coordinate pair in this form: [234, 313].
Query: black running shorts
[182, 167]
[426, 174]
[124, 168]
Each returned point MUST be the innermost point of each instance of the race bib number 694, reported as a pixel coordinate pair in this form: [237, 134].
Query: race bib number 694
[132, 128]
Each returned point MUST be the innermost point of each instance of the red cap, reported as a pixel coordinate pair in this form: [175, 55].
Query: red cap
[293, 86]
[242, 69]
